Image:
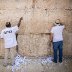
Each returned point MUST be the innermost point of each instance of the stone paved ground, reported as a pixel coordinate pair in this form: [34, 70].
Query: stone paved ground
[35, 66]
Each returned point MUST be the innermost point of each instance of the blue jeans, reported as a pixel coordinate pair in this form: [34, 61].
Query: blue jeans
[58, 46]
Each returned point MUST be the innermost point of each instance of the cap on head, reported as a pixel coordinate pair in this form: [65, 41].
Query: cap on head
[8, 24]
[57, 21]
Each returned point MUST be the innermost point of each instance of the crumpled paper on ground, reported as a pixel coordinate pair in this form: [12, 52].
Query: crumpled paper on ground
[23, 60]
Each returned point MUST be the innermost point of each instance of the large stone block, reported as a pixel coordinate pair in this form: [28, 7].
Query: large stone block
[33, 45]
[67, 48]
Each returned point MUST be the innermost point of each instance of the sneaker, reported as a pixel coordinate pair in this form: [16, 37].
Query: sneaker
[60, 61]
[54, 61]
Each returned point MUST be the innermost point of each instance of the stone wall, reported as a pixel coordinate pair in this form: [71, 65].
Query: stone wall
[39, 15]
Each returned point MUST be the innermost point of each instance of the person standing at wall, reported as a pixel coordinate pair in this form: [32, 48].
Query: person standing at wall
[10, 42]
[56, 38]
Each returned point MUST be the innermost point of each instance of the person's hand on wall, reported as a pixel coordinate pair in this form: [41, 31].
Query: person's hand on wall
[50, 43]
[21, 18]
[20, 21]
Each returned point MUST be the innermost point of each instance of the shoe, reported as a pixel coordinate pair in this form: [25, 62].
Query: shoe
[60, 61]
[54, 61]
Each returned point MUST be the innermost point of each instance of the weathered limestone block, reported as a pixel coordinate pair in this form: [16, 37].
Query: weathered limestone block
[33, 45]
[67, 48]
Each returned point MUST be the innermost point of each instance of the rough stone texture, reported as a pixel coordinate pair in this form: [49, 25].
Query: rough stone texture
[34, 45]
[35, 66]
[67, 43]
[39, 15]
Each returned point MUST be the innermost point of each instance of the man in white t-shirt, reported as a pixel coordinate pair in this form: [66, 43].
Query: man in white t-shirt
[10, 42]
[57, 39]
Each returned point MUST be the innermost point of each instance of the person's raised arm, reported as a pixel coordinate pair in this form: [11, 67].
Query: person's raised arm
[20, 21]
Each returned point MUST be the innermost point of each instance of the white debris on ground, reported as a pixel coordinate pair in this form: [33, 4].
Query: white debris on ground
[47, 60]
[23, 60]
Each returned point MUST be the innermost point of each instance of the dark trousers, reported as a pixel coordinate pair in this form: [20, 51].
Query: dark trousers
[58, 46]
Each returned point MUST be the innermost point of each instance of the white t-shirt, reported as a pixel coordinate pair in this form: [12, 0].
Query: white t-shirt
[9, 36]
[57, 33]
[0, 35]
